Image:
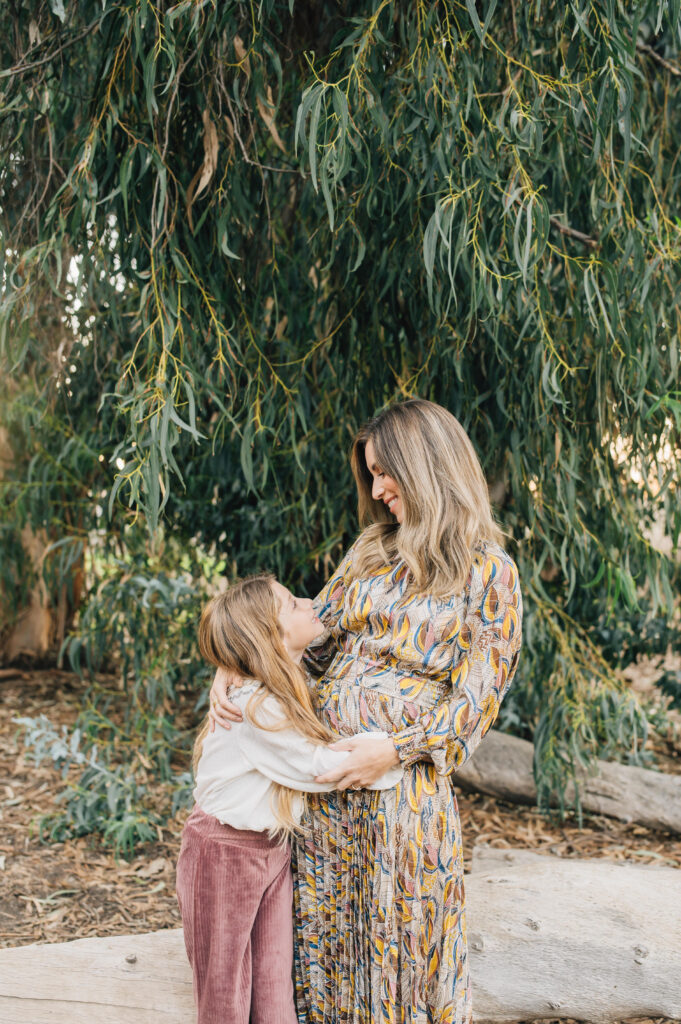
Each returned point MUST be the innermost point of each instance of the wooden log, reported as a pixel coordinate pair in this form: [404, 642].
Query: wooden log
[13, 673]
[553, 937]
[125, 979]
[548, 937]
[502, 767]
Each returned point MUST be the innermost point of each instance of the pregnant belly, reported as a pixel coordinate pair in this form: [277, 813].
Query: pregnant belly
[358, 695]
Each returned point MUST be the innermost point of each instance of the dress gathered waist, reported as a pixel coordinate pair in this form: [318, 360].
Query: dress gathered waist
[357, 693]
[354, 669]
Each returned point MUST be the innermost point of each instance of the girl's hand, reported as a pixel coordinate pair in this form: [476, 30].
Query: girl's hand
[368, 760]
[222, 710]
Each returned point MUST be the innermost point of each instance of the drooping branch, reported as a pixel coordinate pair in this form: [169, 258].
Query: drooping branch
[673, 69]
[579, 236]
[23, 67]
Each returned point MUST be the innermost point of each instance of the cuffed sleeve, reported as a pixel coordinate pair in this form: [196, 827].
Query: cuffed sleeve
[485, 662]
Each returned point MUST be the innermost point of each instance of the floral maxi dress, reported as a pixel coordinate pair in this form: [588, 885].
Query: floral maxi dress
[378, 876]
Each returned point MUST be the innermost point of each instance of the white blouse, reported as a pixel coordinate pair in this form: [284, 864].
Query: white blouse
[237, 767]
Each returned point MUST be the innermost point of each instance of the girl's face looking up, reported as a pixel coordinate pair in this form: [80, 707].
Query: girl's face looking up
[299, 624]
[384, 488]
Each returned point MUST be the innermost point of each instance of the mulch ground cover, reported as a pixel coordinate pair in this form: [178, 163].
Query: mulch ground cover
[53, 892]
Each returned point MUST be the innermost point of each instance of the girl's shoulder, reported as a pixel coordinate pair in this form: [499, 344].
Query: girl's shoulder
[267, 711]
[240, 695]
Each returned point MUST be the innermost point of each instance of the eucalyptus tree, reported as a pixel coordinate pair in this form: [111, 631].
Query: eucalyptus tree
[232, 232]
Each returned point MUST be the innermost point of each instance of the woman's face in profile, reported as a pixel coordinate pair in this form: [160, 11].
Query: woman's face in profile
[384, 488]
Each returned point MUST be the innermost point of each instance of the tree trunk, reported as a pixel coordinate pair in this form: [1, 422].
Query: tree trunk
[548, 938]
[125, 979]
[502, 767]
[561, 937]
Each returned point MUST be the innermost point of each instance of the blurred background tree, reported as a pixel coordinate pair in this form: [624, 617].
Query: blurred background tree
[232, 232]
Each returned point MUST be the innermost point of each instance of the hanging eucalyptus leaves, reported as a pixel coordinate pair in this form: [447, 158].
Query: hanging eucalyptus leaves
[233, 231]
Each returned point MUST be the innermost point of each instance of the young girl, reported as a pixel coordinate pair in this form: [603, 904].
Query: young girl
[233, 874]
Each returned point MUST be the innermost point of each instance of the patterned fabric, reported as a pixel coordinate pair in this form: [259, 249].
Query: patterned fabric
[378, 878]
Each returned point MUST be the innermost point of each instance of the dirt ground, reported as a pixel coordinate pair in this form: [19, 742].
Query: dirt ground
[60, 891]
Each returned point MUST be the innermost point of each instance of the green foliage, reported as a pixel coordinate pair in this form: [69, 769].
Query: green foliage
[232, 233]
[144, 614]
[579, 716]
[105, 800]
[140, 620]
[670, 685]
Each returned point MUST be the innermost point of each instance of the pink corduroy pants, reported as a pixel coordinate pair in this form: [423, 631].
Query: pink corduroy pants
[235, 893]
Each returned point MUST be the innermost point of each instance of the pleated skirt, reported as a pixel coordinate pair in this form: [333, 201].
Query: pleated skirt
[379, 917]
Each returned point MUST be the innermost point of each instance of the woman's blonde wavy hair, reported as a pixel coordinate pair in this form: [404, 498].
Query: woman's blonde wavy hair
[445, 502]
[240, 631]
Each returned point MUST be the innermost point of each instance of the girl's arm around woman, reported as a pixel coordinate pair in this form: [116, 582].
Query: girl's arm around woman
[286, 757]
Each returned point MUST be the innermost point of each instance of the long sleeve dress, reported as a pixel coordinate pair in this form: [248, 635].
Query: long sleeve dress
[378, 877]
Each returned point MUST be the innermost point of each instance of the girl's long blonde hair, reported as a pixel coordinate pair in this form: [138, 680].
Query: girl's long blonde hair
[445, 501]
[240, 631]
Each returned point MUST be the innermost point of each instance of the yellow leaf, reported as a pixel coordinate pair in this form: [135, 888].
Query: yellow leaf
[207, 169]
[242, 56]
[210, 153]
[266, 111]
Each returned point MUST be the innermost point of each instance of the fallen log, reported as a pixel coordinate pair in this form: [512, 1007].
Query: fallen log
[125, 979]
[583, 939]
[548, 937]
[13, 673]
[502, 767]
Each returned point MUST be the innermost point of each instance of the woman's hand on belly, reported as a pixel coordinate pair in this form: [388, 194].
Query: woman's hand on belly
[366, 762]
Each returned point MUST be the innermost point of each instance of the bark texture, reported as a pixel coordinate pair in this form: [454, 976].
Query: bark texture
[553, 937]
[548, 937]
[502, 767]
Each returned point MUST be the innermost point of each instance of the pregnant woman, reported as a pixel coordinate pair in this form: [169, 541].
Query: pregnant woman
[423, 629]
